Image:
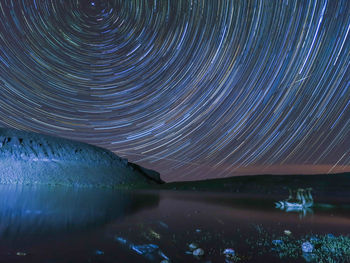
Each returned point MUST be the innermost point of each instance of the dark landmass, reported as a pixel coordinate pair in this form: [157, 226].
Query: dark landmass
[336, 185]
[31, 158]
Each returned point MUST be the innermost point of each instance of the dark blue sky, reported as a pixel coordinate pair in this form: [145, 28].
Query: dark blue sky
[193, 89]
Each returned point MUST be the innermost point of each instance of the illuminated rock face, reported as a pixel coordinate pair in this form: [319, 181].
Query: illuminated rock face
[31, 158]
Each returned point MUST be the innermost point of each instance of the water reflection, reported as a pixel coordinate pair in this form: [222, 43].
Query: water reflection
[299, 201]
[45, 210]
[58, 224]
[252, 227]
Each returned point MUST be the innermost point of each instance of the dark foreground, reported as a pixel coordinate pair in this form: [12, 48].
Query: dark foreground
[59, 224]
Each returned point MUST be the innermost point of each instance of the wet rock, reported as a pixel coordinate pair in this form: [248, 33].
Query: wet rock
[121, 240]
[287, 232]
[99, 252]
[160, 253]
[193, 246]
[198, 252]
[229, 252]
[307, 247]
[277, 242]
[150, 251]
[314, 239]
[144, 249]
[153, 234]
[163, 224]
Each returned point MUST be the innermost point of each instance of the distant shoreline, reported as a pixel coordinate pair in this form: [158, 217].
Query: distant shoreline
[337, 185]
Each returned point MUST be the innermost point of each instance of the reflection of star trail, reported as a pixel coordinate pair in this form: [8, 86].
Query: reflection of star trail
[220, 84]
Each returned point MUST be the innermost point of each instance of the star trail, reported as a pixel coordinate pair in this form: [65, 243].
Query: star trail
[194, 89]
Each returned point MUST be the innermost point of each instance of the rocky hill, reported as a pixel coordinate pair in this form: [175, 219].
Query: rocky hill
[31, 158]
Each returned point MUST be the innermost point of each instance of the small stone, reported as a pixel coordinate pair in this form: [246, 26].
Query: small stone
[162, 255]
[121, 240]
[287, 232]
[229, 252]
[163, 224]
[154, 234]
[277, 242]
[144, 249]
[198, 252]
[307, 247]
[330, 236]
[198, 230]
[314, 239]
[193, 246]
[99, 252]
[21, 253]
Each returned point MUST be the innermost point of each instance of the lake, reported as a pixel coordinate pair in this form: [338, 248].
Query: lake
[65, 224]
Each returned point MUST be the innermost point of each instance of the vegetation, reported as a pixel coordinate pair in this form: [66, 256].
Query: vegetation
[316, 248]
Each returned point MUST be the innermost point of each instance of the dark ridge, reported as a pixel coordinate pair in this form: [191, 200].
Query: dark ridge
[336, 185]
[150, 174]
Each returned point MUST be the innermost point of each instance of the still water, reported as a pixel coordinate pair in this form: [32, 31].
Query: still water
[58, 224]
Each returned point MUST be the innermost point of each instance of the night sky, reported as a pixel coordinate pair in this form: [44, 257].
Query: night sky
[193, 89]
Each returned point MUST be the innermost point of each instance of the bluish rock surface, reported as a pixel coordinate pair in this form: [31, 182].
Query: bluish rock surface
[307, 247]
[31, 158]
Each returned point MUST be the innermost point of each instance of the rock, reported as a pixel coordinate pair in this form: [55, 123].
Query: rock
[165, 261]
[277, 242]
[121, 240]
[314, 239]
[99, 252]
[193, 246]
[31, 158]
[198, 252]
[150, 251]
[229, 252]
[144, 249]
[163, 224]
[161, 253]
[152, 175]
[287, 232]
[307, 247]
[21, 253]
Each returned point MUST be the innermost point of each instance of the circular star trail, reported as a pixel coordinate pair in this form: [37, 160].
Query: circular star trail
[193, 89]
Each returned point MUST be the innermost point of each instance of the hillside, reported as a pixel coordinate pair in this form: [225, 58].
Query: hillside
[31, 158]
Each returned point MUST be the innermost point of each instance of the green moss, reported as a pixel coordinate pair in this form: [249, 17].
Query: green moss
[327, 248]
